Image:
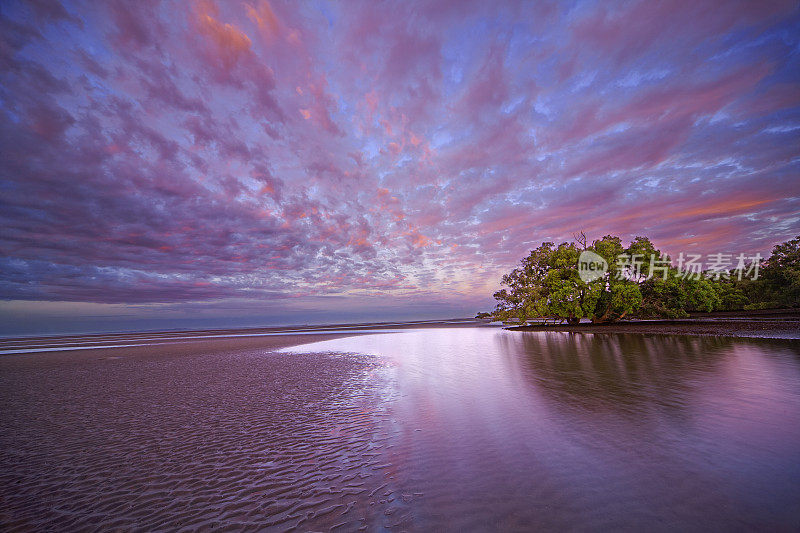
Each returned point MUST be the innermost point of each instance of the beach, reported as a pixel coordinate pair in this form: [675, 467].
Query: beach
[208, 428]
[180, 433]
[426, 427]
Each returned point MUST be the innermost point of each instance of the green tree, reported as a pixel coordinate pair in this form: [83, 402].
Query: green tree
[547, 284]
[781, 275]
[618, 293]
[665, 298]
[640, 281]
[701, 296]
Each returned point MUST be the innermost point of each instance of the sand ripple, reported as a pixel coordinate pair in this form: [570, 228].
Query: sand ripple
[248, 441]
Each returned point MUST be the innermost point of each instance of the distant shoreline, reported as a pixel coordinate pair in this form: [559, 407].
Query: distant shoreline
[192, 342]
[777, 324]
[445, 322]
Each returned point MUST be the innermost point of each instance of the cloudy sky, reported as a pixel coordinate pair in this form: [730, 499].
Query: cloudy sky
[247, 162]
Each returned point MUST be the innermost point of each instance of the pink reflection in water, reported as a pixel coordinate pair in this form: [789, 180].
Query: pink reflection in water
[506, 430]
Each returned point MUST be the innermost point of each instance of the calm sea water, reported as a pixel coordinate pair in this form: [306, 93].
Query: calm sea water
[497, 430]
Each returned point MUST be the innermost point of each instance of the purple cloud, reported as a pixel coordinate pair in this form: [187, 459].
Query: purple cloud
[170, 153]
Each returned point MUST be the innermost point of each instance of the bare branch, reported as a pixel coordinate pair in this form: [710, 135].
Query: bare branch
[580, 238]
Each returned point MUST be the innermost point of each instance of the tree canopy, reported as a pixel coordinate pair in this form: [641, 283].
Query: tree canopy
[639, 281]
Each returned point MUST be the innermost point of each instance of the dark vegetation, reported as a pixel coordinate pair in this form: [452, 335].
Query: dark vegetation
[640, 282]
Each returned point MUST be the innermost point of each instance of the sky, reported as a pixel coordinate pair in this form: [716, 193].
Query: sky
[203, 164]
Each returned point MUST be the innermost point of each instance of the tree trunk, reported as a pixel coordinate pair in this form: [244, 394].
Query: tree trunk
[603, 318]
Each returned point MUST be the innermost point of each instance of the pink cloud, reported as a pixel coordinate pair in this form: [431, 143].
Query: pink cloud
[287, 151]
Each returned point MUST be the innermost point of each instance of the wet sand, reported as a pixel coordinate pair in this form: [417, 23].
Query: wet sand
[23, 352]
[196, 434]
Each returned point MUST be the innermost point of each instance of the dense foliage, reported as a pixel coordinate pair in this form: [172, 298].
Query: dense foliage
[640, 282]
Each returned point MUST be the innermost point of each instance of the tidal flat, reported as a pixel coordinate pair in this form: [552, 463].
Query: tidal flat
[459, 428]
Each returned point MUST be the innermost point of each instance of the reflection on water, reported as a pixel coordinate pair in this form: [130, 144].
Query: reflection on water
[508, 430]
